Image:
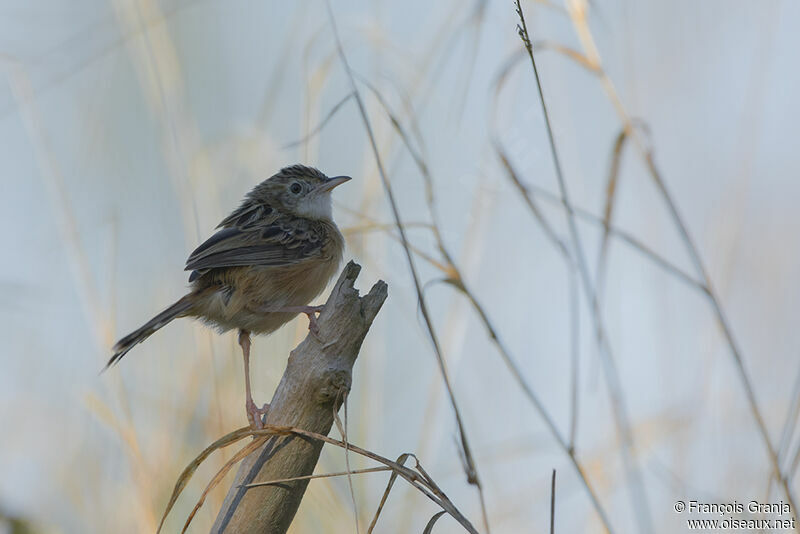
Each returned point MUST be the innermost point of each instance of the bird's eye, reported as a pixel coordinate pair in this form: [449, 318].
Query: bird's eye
[296, 188]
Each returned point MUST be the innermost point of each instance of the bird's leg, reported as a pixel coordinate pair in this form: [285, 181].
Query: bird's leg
[254, 413]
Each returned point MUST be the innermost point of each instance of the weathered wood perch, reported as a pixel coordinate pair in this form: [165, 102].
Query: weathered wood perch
[317, 375]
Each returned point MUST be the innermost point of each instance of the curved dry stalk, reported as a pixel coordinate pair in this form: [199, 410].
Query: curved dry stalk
[318, 128]
[417, 477]
[608, 210]
[342, 427]
[571, 53]
[392, 479]
[637, 489]
[432, 521]
[476, 18]
[470, 466]
[235, 459]
[322, 475]
[553, 503]
[186, 475]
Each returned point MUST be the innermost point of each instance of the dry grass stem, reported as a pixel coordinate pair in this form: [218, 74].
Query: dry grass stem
[636, 486]
[469, 462]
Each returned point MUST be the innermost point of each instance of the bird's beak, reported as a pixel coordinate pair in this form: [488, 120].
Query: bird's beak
[330, 183]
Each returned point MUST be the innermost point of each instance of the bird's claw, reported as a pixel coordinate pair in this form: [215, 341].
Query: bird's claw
[255, 414]
[313, 325]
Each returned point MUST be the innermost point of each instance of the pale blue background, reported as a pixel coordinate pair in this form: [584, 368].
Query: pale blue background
[129, 129]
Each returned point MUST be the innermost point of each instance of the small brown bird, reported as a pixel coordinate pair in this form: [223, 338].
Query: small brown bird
[269, 259]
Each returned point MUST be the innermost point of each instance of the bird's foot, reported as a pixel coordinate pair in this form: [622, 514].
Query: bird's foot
[255, 414]
[311, 312]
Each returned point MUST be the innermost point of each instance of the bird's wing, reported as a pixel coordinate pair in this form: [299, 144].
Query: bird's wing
[269, 243]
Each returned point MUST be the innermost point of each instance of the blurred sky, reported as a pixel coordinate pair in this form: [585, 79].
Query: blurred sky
[128, 129]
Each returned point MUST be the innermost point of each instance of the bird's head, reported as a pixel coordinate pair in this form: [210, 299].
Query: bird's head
[299, 190]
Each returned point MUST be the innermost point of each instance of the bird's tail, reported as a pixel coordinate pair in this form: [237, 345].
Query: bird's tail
[137, 336]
